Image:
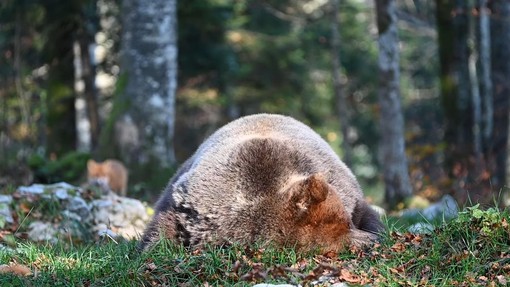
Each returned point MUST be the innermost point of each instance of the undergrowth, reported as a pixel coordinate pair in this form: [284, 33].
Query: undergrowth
[471, 250]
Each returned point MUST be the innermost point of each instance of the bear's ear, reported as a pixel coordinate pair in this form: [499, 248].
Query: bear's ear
[317, 187]
[312, 190]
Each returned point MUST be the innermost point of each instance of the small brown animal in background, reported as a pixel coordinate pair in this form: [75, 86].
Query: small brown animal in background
[110, 172]
[264, 178]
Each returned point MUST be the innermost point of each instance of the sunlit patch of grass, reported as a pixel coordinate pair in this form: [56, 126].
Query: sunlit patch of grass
[471, 250]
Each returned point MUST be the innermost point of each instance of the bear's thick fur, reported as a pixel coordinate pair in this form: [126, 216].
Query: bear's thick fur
[264, 178]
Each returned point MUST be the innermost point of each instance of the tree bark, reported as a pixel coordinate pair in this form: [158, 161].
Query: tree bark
[60, 100]
[500, 52]
[465, 121]
[339, 95]
[460, 100]
[392, 145]
[90, 92]
[448, 77]
[87, 110]
[145, 129]
[484, 69]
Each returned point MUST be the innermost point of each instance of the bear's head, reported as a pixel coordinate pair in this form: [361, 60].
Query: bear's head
[314, 216]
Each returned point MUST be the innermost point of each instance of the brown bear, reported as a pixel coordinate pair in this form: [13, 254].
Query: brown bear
[264, 178]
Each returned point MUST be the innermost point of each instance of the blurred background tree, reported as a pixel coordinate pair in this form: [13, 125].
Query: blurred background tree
[66, 79]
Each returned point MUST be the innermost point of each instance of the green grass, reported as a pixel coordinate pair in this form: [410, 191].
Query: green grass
[471, 250]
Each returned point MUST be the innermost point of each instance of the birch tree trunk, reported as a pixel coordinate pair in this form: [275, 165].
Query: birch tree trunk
[392, 145]
[339, 95]
[500, 52]
[86, 103]
[145, 128]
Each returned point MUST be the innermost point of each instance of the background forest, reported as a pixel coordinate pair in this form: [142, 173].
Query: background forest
[412, 94]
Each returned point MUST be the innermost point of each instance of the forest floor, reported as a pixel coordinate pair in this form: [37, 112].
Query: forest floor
[471, 250]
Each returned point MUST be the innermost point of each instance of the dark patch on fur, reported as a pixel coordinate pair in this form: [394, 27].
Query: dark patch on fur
[264, 163]
[367, 219]
[260, 166]
[183, 235]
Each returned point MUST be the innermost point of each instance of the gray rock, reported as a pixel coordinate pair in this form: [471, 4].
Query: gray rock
[5, 199]
[61, 194]
[42, 231]
[107, 233]
[446, 208]
[110, 215]
[421, 228]
[5, 213]
[71, 215]
[125, 216]
[78, 205]
[411, 213]
[32, 189]
[62, 185]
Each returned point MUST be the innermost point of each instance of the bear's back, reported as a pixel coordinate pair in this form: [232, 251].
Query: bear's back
[256, 155]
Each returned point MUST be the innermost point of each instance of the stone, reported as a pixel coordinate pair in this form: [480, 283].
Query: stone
[79, 206]
[446, 208]
[82, 218]
[421, 228]
[42, 231]
[5, 213]
[5, 199]
[32, 189]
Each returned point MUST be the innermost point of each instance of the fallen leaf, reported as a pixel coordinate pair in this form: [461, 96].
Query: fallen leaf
[502, 280]
[348, 276]
[398, 247]
[330, 254]
[416, 240]
[236, 266]
[16, 269]
[300, 265]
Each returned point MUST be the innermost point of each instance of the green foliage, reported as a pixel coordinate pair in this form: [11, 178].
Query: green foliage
[491, 224]
[235, 58]
[148, 178]
[69, 168]
[456, 254]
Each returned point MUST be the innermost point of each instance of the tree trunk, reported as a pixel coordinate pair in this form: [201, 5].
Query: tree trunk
[484, 69]
[458, 101]
[82, 122]
[90, 92]
[339, 95]
[392, 145]
[60, 100]
[448, 77]
[145, 129]
[464, 134]
[500, 52]
[87, 109]
[453, 53]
